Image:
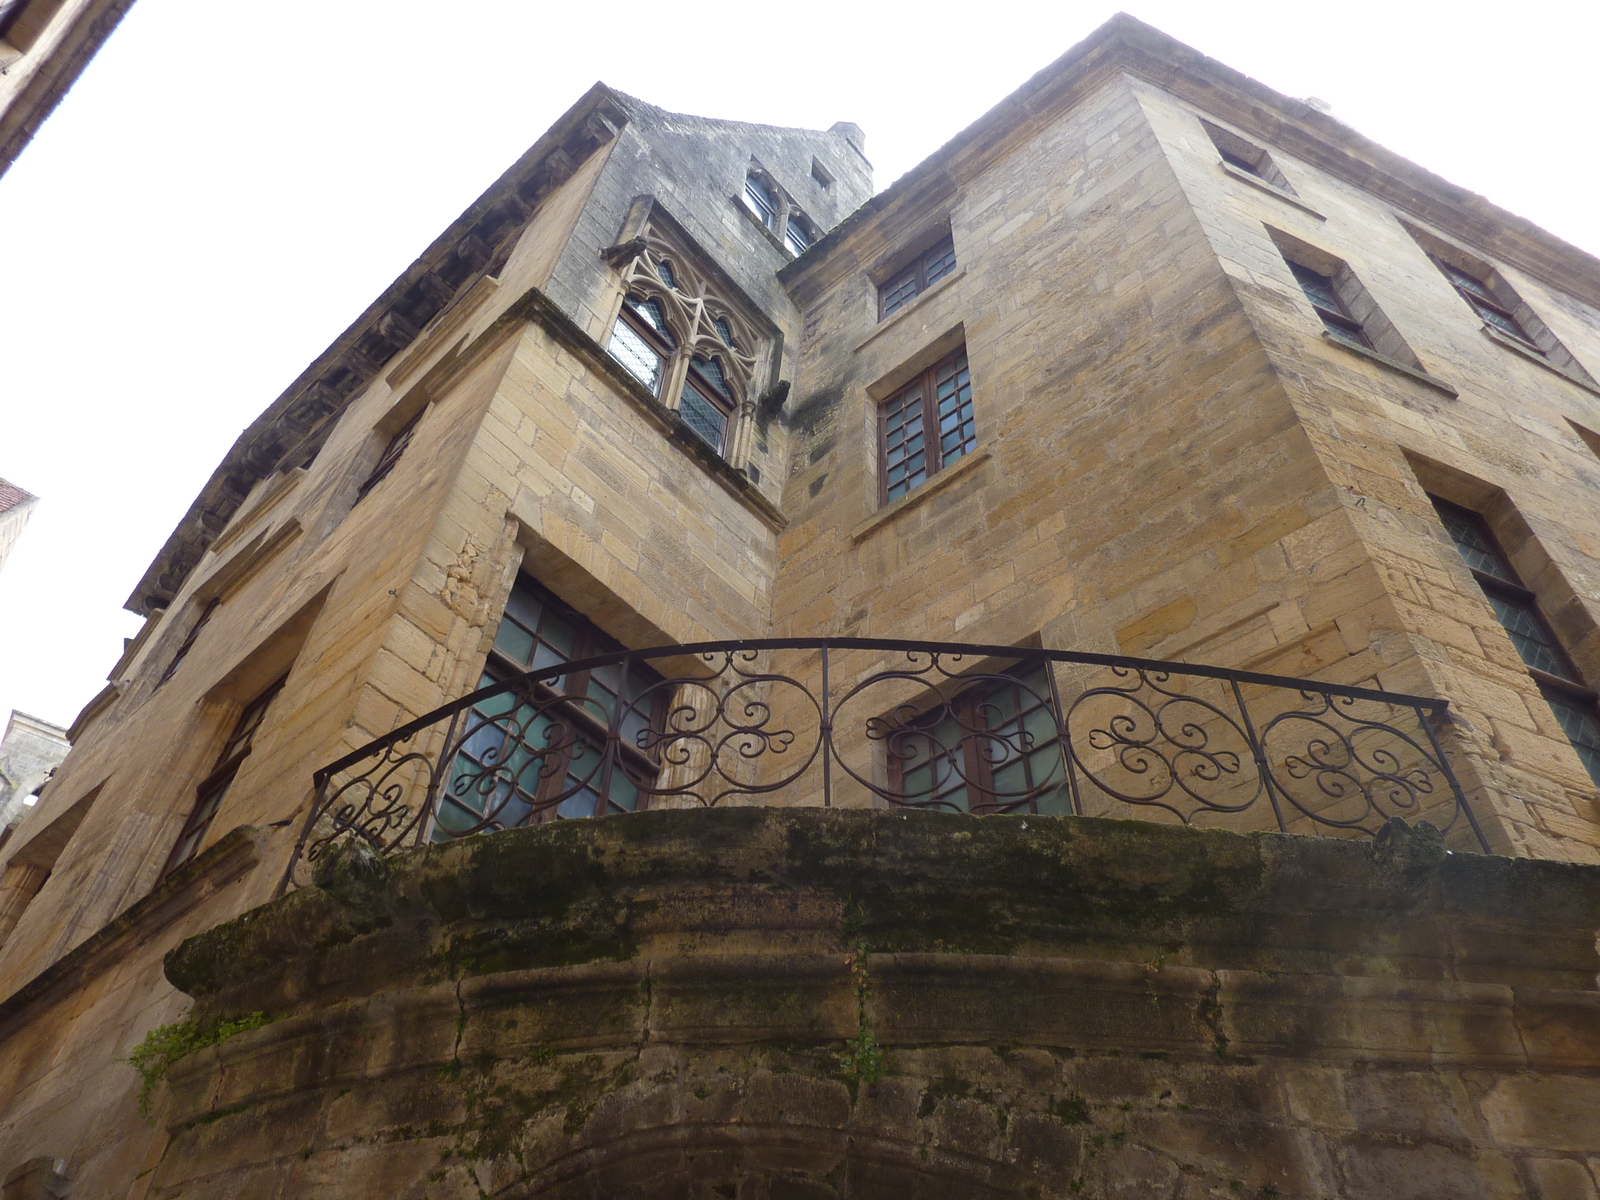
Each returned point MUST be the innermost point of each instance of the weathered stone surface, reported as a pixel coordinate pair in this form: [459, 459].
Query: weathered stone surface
[661, 1004]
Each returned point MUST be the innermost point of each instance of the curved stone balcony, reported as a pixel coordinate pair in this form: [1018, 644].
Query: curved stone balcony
[892, 1004]
[861, 722]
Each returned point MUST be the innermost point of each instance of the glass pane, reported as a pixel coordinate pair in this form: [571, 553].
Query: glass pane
[512, 640]
[1530, 636]
[796, 238]
[1582, 727]
[1474, 544]
[1317, 287]
[636, 355]
[711, 369]
[723, 331]
[664, 269]
[704, 419]
[940, 262]
[957, 424]
[760, 200]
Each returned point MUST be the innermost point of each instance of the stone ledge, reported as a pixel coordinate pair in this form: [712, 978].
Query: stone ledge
[1494, 335]
[917, 495]
[1394, 364]
[1269, 188]
[889, 322]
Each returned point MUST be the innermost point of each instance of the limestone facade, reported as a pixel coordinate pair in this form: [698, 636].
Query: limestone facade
[44, 47]
[1170, 458]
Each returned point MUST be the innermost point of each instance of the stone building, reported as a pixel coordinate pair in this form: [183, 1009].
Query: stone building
[29, 751]
[1252, 464]
[44, 47]
[16, 506]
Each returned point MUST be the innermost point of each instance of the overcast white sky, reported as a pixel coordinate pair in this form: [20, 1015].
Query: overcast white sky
[230, 184]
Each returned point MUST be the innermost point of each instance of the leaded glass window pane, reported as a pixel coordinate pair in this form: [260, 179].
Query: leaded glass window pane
[1481, 554]
[704, 419]
[637, 356]
[1582, 726]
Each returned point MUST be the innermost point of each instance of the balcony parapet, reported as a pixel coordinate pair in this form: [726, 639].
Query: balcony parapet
[866, 722]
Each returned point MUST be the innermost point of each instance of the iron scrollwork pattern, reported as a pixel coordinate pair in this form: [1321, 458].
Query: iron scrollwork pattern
[934, 726]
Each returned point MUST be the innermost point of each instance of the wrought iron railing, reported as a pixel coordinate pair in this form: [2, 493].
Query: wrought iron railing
[868, 722]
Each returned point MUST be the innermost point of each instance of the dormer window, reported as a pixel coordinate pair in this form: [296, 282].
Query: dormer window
[761, 199]
[797, 237]
[778, 214]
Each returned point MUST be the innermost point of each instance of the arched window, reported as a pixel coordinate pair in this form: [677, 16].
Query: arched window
[706, 405]
[797, 235]
[641, 341]
[761, 200]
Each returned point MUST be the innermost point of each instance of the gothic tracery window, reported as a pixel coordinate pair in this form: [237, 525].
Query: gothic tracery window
[690, 346]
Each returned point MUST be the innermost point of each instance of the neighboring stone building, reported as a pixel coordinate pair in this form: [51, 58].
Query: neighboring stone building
[16, 506]
[30, 750]
[44, 47]
[1150, 361]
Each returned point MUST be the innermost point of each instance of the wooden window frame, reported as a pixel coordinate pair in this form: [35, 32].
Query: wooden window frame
[568, 705]
[917, 274]
[1339, 320]
[214, 787]
[392, 453]
[1569, 689]
[933, 445]
[978, 764]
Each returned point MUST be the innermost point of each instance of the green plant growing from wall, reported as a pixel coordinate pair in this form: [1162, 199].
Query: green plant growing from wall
[166, 1044]
[863, 1059]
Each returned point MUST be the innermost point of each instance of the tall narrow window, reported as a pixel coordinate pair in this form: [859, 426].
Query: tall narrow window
[188, 642]
[1483, 301]
[760, 198]
[991, 748]
[1517, 609]
[641, 342]
[907, 284]
[209, 797]
[706, 406]
[926, 426]
[391, 455]
[541, 754]
[797, 236]
[1325, 298]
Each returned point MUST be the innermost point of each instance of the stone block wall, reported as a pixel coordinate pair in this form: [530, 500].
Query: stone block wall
[769, 1003]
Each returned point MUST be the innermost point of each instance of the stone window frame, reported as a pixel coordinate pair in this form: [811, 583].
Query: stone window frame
[213, 789]
[769, 205]
[1243, 156]
[1539, 343]
[1573, 703]
[1356, 305]
[699, 315]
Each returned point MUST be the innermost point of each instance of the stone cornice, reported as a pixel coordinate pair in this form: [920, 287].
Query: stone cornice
[55, 75]
[296, 424]
[1126, 45]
